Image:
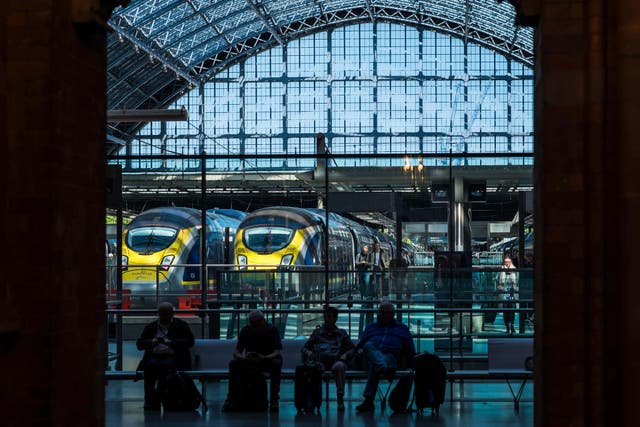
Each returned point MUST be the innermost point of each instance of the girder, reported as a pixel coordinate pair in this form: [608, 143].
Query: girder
[168, 30]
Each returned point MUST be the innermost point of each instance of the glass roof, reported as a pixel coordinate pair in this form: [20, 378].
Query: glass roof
[159, 49]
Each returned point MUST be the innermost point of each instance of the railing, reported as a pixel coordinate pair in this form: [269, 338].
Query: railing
[450, 312]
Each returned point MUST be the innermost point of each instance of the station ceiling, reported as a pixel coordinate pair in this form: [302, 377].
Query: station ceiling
[160, 49]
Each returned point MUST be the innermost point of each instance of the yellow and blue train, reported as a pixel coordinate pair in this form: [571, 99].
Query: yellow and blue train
[161, 253]
[288, 238]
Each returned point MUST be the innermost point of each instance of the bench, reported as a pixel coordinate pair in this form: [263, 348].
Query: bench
[210, 362]
[508, 361]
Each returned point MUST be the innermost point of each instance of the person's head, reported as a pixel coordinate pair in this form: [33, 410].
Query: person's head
[365, 249]
[507, 262]
[330, 315]
[386, 313]
[165, 312]
[376, 246]
[256, 319]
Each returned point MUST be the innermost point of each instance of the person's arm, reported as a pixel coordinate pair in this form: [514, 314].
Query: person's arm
[347, 348]
[241, 345]
[366, 336]
[181, 336]
[147, 339]
[307, 349]
[277, 344]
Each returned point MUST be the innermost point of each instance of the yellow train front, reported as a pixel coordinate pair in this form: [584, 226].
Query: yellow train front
[283, 248]
[161, 256]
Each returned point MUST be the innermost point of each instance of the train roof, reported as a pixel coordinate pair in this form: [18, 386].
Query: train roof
[283, 215]
[181, 217]
[171, 216]
[231, 213]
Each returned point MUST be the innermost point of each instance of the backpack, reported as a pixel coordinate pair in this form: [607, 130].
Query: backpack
[399, 397]
[178, 392]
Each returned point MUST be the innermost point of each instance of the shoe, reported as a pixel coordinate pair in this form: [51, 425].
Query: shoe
[390, 374]
[340, 403]
[366, 406]
[274, 406]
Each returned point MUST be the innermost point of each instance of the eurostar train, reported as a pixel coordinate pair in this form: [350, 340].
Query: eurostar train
[161, 254]
[293, 239]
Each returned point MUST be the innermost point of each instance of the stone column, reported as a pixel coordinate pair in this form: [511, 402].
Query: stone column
[587, 204]
[52, 138]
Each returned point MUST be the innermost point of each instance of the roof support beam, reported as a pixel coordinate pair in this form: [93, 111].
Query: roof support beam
[367, 4]
[120, 27]
[259, 10]
[209, 21]
[154, 115]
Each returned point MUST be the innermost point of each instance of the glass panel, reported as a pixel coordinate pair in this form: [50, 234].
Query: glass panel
[150, 239]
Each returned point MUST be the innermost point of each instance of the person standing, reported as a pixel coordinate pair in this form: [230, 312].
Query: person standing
[378, 267]
[363, 266]
[508, 292]
[166, 343]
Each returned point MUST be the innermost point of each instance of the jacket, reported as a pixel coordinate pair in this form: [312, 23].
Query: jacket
[181, 341]
[394, 339]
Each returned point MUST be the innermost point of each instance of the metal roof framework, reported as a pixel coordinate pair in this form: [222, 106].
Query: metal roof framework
[193, 40]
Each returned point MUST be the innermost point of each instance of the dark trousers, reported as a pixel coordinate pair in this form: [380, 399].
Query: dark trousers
[156, 369]
[271, 366]
[509, 317]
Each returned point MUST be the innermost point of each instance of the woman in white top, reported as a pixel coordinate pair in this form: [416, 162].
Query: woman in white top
[508, 292]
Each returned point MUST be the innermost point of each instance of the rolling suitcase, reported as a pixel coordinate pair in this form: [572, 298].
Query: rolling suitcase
[430, 382]
[308, 388]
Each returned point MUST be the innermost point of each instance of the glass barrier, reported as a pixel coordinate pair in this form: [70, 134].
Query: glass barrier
[451, 313]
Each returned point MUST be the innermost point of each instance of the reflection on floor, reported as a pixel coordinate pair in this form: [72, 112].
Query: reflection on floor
[483, 405]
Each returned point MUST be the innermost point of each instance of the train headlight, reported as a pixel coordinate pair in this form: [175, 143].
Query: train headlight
[125, 262]
[286, 260]
[166, 262]
[242, 260]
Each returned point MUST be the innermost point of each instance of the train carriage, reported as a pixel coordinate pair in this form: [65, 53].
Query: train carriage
[161, 253]
[293, 239]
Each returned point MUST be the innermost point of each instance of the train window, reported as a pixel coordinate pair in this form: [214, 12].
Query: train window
[150, 239]
[267, 239]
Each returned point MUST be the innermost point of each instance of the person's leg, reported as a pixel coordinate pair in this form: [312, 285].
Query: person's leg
[376, 364]
[235, 366]
[338, 370]
[274, 367]
[151, 400]
[508, 318]
[156, 369]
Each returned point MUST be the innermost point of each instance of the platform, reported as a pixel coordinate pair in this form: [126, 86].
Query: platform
[478, 405]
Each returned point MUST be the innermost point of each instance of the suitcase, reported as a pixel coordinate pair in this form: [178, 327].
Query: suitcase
[178, 392]
[308, 388]
[247, 390]
[430, 382]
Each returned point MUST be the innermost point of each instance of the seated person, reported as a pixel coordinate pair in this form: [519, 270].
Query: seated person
[332, 348]
[259, 348]
[166, 343]
[384, 344]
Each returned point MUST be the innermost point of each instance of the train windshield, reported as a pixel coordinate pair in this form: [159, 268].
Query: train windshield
[267, 239]
[147, 240]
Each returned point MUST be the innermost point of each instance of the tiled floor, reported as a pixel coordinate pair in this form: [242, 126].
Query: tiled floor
[487, 405]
